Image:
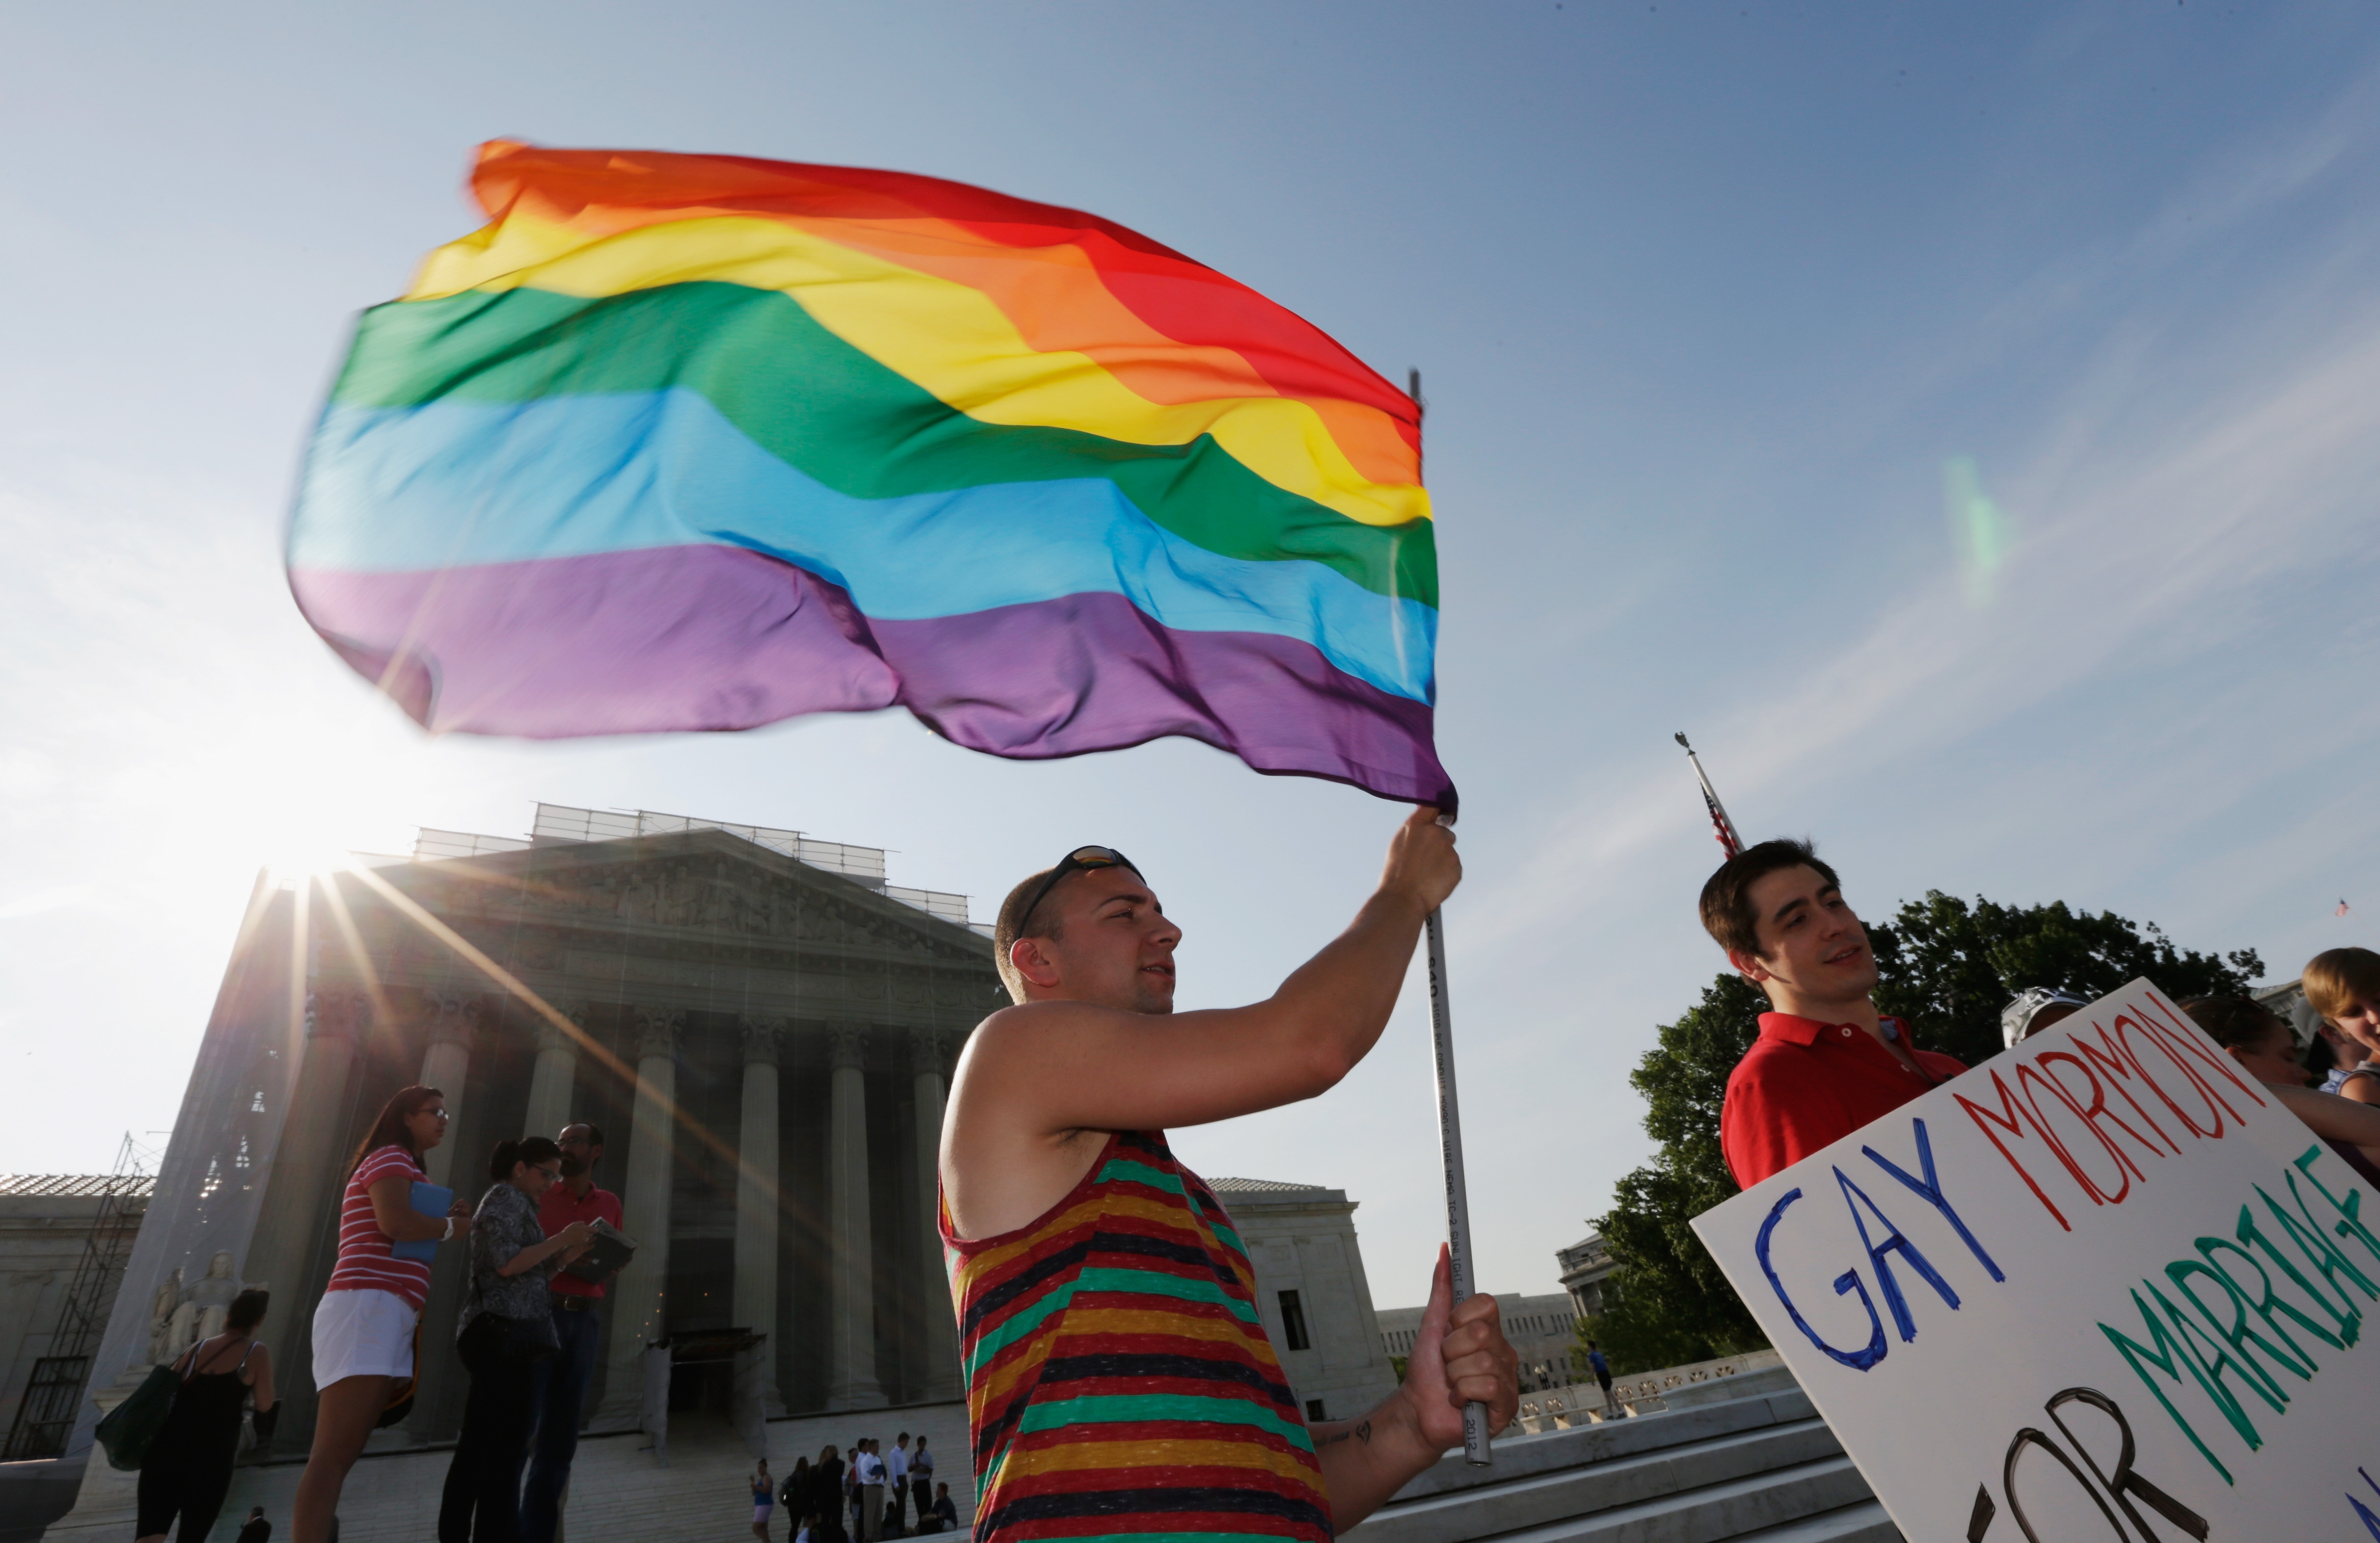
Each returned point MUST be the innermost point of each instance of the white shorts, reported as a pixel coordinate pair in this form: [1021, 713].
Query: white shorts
[362, 1333]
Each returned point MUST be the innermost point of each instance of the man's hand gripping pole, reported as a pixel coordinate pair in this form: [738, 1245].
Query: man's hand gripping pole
[1450, 1139]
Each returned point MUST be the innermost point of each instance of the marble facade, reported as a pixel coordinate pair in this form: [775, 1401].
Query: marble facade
[765, 1042]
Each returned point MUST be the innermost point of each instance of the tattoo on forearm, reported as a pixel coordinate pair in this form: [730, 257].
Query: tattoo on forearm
[1361, 1430]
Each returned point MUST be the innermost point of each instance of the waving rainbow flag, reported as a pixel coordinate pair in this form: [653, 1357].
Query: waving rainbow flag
[684, 442]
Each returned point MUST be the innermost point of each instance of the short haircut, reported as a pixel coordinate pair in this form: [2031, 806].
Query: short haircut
[1726, 895]
[247, 1309]
[594, 1131]
[2337, 976]
[1011, 926]
[2235, 1022]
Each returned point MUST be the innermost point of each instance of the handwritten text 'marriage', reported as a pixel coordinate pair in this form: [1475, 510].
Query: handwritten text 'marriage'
[2105, 1110]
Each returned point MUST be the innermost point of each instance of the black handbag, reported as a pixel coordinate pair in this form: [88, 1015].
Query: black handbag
[529, 1339]
[129, 1429]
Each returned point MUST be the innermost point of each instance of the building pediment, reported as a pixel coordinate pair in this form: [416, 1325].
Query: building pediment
[686, 886]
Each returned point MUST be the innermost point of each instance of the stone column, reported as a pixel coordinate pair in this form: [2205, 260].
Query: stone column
[301, 1197]
[756, 1204]
[850, 1335]
[454, 1023]
[941, 1382]
[639, 1292]
[555, 1078]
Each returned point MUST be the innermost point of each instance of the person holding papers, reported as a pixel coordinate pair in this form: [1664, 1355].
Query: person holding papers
[363, 1326]
[504, 1328]
[1827, 1063]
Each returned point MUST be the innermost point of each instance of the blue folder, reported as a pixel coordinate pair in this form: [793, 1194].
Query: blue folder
[430, 1200]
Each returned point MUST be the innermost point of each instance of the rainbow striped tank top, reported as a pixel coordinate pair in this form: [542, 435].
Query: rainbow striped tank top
[1120, 1384]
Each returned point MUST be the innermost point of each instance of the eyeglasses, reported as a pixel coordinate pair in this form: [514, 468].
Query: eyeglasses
[1082, 860]
[438, 1113]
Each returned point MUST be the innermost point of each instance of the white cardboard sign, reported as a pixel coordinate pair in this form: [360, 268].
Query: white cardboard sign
[2101, 1286]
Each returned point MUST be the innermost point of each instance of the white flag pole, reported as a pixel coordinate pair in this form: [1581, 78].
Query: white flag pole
[1476, 1448]
[1734, 842]
[1458, 1199]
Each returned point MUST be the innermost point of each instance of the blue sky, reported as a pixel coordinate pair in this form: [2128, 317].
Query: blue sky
[1717, 306]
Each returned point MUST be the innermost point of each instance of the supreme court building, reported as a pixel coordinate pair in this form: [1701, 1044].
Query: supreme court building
[760, 1025]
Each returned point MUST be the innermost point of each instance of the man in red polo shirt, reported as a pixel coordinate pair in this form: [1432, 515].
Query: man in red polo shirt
[1825, 1063]
[559, 1381]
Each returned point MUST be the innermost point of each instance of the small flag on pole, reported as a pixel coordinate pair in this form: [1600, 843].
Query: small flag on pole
[1721, 827]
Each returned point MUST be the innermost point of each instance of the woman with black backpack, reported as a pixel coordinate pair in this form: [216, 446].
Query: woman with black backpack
[187, 1468]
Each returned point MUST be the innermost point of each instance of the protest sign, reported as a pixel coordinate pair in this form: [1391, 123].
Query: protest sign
[2103, 1285]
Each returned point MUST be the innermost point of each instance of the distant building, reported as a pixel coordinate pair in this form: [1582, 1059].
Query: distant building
[63, 1247]
[762, 1026]
[45, 1230]
[1543, 1329]
[1310, 1288]
[1584, 1266]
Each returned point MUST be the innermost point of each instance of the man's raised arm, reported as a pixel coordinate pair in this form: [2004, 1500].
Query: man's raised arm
[1096, 1047]
[1061, 1065]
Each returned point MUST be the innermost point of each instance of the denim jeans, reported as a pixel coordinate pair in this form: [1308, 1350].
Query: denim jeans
[558, 1388]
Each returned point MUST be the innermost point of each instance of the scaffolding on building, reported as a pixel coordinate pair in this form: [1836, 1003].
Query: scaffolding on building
[45, 1417]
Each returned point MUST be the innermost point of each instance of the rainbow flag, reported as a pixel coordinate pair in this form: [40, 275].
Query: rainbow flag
[689, 442]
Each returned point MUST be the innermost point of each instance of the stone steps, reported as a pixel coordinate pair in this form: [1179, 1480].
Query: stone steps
[1863, 1522]
[1763, 1467]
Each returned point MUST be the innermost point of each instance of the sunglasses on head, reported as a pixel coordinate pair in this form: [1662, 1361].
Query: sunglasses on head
[1082, 860]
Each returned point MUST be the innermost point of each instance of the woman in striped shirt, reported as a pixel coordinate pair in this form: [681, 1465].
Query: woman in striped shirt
[364, 1325]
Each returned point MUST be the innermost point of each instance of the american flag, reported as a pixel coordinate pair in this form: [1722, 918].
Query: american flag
[2342, 908]
[1718, 825]
[1721, 827]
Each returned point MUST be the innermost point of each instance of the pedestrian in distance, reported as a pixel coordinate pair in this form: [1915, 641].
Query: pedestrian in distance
[764, 1500]
[256, 1529]
[946, 1512]
[504, 1327]
[867, 1484]
[1602, 1369]
[795, 1494]
[921, 1476]
[363, 1330]
[558, 1386]
[188, 1471]
[825, 1501]
[896, 1484]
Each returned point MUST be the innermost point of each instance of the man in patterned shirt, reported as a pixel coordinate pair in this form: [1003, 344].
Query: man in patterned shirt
[1118, 1367]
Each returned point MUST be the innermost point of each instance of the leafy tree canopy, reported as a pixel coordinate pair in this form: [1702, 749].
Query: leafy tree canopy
[1947, 966]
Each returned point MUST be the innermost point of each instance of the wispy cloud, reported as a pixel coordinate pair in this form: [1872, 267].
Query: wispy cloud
[2168, 489]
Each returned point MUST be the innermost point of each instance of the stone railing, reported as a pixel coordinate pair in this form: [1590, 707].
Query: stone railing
[1638, 1393]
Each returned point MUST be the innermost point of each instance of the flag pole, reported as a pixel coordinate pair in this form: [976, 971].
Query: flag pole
[1449, 1142]
[1475, 1450]
[1728, 840]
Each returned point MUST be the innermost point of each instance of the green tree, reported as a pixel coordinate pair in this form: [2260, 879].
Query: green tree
[1944, 965]
[1665, 1303]
[1948, 967]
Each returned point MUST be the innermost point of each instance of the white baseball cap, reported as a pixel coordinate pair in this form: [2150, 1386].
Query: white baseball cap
[2018, 1015]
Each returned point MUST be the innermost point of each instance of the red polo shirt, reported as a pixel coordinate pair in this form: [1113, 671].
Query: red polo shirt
[1805, 1085]
[556, 1211]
